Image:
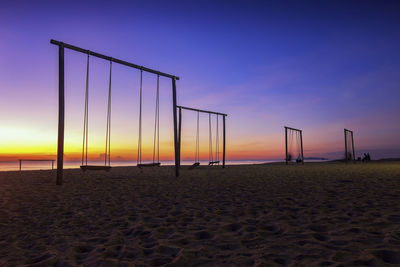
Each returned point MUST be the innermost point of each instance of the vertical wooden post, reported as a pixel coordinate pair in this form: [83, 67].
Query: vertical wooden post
[177, 156]
[52, 164]
[179, 136]
[352, 144]
[301, 142]
[223, 141]
[345, 145]
[20, 167]
[286, 158]
[61, 108]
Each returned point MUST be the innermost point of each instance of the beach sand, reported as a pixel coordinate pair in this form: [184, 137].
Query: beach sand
[318, 214]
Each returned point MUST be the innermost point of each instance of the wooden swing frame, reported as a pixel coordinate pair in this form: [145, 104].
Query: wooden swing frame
[347, 131]
[61, 101]
[286, 143]
[180, 108]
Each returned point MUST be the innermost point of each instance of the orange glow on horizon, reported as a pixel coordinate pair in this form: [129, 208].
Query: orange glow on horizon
[23, 142]
[37, 149]
[125, 155]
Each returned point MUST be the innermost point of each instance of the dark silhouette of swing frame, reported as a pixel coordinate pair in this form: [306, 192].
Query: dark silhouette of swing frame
[61, 101]
[346, 131]
[207, 112]
[286, 143]
[36, 160]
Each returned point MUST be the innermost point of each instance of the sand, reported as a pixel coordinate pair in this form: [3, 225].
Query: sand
[318, 214]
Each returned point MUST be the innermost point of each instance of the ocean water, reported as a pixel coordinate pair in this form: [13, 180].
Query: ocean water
[46, 165]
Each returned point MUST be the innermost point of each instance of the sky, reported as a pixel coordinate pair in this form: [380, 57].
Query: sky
[320, 66]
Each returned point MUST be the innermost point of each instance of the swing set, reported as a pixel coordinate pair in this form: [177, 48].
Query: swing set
[212, 161]
[294, 137]
[349, 153]
[61, 114]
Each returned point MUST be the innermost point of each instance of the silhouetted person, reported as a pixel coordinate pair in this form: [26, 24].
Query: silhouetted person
[298, 160]
[366, 158]
[289, 157]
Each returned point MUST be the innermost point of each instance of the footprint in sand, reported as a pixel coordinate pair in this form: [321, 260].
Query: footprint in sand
[43, 260]
[394, 238]
[273, 229]
[361, 262]
[341, 256]
[169, 251]
[112, 251]
[232, 227]
[394, 218]
[317, 228]
[254, 243]
[320, 237]
[161, 261]
[388, 256]
[339, 242]
[354, 230]
[203, 235]
[83, 249]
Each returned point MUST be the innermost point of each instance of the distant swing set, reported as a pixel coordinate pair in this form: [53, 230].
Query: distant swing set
[294, 140]
[349, 153]
[212, 161]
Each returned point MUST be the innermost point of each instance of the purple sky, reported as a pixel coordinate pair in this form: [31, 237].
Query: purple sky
[316, 65]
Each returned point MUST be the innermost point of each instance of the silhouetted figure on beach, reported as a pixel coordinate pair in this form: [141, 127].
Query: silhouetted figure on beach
[289, 157]
[299, 159]
[367, 157]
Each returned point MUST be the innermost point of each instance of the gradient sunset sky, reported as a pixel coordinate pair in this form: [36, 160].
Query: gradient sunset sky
[316, 65]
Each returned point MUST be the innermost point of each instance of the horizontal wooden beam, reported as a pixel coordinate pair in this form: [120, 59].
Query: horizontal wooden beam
[122, 62]
[37, 160]
[294, 129]
[203, 111]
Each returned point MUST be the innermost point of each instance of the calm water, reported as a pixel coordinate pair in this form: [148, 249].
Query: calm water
[44, 165]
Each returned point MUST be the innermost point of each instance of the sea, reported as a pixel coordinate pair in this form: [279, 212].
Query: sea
[47, 165]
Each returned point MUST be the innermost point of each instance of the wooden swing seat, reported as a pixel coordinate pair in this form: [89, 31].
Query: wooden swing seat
[194, 165]
[95, 168]
[155, 164]
[211, 163]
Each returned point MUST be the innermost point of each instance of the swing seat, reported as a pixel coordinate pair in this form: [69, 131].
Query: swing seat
[211, 163]
[194, 165]
[155, 164]
[95, 168]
